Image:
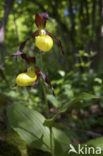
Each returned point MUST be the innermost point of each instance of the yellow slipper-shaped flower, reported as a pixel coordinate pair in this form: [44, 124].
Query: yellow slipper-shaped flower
[26, 79]
[44, 42]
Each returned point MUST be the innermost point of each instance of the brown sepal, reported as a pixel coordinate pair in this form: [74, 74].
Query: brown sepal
[24, 56]
[58, 41]
[40, 21]
[47, 81]
[28, 59]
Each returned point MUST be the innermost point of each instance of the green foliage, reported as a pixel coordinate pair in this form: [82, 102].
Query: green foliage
[29, 125]
[54, 101]
[71, 104]
[77, 76]
[82, 55]
[98, 142]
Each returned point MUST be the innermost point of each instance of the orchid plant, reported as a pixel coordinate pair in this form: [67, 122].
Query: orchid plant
[44, 42]
[31, 125]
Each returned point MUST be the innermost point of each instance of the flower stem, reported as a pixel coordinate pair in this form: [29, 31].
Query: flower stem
[44, 91]
[46, 102]
[51, 141]
[48, 112]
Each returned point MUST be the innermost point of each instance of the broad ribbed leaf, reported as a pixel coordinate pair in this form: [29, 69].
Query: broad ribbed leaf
[61, 143]
[29, 125]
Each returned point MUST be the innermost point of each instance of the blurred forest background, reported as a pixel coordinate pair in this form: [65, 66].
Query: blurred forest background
[79, 25]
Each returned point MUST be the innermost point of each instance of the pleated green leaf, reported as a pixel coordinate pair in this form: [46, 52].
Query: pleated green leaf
[29, 125]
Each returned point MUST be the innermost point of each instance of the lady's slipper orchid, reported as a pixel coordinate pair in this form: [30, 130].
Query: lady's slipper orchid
[40, 21]
[43, 39]
[32, 76]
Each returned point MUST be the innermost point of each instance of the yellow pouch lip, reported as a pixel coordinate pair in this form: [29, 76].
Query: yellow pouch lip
[26, 79]
[44, 43]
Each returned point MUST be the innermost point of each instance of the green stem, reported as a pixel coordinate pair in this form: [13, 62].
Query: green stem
[44, 90]
[48, 113]
[51, 141]
[46, 101]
